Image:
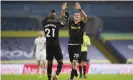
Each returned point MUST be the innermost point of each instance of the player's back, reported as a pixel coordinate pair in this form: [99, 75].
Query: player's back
[51, 29]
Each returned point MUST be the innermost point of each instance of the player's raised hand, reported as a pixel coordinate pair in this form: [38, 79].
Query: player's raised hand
[64, 5]
[77, 6]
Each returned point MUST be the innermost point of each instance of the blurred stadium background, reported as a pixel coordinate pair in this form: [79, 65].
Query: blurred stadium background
[110, 28]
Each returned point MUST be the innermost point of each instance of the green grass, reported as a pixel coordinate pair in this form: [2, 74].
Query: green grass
[116, 36]
[65, 77]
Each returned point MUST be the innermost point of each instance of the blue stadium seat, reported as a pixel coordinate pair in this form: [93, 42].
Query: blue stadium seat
[117, 24]
[21, 49]
[19, 23]
[122, 49]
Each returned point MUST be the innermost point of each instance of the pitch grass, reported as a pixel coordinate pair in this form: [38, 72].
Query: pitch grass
[66, 76]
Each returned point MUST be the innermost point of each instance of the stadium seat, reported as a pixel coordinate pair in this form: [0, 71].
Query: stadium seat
[117, 24]
[122, 50]
[22, 49]
[19, 23]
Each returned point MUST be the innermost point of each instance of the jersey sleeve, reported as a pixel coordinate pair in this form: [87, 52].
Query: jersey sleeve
[70, 21]
[44, 21]
[83, 23]
[87, 40]
[61, 24]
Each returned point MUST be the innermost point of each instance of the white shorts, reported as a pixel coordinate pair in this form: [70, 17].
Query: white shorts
[41, 55]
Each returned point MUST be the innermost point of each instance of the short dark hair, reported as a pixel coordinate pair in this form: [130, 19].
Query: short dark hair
[52, 10]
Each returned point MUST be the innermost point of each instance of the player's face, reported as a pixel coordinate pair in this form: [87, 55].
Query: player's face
[77, 17]
[41, 33]
[52, 15]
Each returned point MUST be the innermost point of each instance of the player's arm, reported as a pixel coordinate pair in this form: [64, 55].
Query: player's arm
[88, 41]
[44, 43]
[63, 13]
[64, 6]
[84, 16]
[34, 50]
[44, 20]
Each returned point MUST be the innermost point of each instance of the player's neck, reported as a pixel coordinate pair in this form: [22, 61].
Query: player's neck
[40, 36]
[52, 19]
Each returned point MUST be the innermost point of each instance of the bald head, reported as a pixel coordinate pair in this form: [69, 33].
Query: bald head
[41, 33]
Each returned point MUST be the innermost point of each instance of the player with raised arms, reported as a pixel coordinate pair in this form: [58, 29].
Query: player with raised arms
[51, 28]
[76, 29]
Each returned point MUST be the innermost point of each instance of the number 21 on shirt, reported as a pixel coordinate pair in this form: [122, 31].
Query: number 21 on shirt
[50, 32]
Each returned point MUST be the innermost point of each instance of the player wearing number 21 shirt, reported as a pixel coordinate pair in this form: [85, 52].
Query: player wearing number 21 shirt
[51, 28]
